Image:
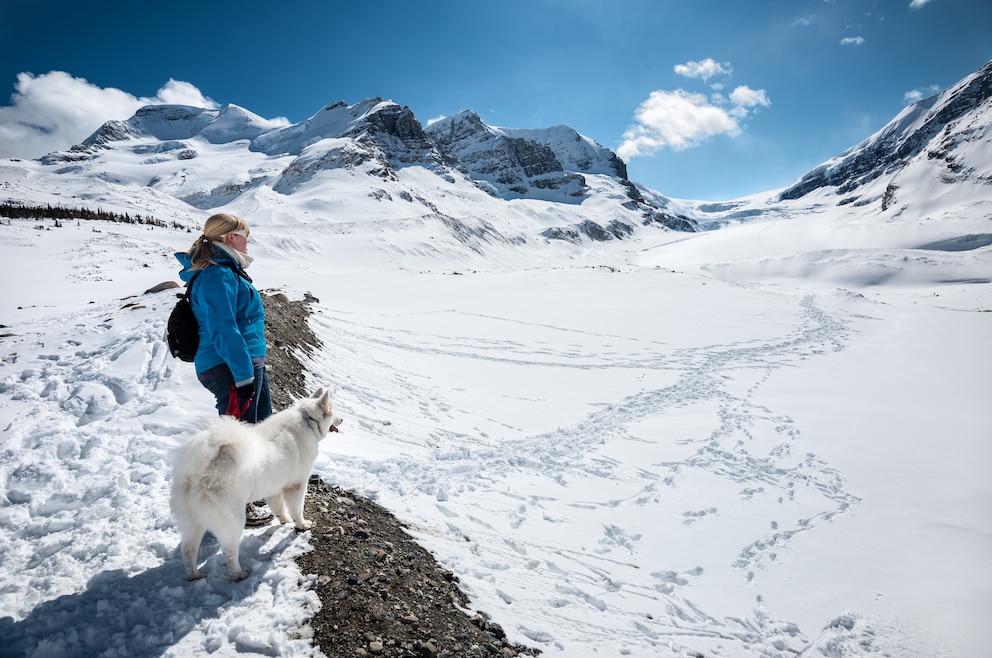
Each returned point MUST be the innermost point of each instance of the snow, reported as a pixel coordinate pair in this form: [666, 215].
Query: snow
[644, 460]
[765, 440]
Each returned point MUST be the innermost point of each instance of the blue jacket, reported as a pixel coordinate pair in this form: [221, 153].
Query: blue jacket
[232, 319]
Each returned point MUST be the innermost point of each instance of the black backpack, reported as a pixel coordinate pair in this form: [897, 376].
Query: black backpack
[183, 330]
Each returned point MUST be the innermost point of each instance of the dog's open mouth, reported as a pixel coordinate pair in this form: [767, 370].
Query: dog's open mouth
[334, 428]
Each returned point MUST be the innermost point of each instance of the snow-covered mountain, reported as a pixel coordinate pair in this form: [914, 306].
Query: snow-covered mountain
[932, 161]
[953, 127]
[520, 163]
[502, 185]
[212, 158]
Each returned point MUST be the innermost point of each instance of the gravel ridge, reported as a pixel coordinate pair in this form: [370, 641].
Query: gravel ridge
[381, 593]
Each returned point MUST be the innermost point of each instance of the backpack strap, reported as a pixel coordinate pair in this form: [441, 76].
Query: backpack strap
[189, 284]
[233, 267]
[237, 270]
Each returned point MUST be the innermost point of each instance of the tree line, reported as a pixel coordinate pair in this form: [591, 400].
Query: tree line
[21, 211]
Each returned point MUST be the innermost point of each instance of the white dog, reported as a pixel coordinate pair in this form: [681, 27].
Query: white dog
[216, 472]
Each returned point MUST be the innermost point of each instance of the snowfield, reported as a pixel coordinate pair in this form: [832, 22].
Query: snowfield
[639, 449]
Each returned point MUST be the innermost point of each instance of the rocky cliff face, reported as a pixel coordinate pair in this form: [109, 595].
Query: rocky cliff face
[519, 162]
[506, 166]
[917, 129]
[376, 133]
[550, 164]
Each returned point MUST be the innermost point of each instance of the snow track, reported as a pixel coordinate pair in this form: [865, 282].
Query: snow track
[594, 525]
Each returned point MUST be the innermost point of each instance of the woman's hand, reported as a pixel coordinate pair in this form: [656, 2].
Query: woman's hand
[239, 400]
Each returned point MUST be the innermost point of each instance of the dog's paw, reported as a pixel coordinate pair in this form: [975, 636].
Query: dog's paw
[240, 575]
[195, 575]
[304, 525]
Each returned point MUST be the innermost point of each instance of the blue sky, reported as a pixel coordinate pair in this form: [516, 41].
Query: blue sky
[703, 99]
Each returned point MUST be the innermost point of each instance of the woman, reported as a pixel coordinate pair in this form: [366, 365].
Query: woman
[230, 360]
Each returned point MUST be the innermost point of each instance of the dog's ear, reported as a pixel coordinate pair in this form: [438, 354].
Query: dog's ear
[318, 393]
[326, 406]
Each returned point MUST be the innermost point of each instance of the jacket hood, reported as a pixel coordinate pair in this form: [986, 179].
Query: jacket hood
[186, 274]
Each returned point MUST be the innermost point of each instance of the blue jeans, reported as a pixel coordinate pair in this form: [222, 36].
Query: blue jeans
[219, 380]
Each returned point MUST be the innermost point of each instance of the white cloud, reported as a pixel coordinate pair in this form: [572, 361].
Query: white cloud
[852, 41]
[680, 119]
[746, 97]
[916, 95]
[677, 119]
[54, 111]
[916, 4]
[705, 69]
[177, 92]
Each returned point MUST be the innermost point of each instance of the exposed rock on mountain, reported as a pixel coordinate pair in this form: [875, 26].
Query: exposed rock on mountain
[592, 230]
[551, 164]
[371, 130]
[507, 164]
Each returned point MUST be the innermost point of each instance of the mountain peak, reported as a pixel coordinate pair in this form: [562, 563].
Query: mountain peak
[899, 141]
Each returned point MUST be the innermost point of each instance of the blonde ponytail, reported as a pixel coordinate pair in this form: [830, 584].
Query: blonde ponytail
[214, 230]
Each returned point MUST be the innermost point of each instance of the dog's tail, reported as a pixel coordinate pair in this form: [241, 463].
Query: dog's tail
[203, 447]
